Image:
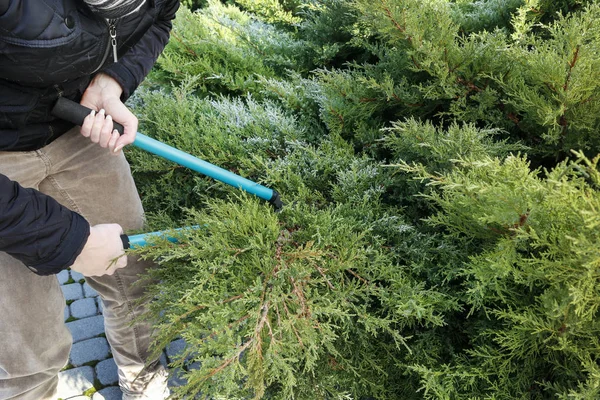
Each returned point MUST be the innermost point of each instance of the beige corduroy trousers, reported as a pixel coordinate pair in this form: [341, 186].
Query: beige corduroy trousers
[34, 342]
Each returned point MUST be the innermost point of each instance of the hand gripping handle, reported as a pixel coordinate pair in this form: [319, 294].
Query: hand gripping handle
[76, 113]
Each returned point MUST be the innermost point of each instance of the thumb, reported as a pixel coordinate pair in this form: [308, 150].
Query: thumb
[121, 114]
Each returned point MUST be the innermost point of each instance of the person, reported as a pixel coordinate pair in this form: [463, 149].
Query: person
[66, 193]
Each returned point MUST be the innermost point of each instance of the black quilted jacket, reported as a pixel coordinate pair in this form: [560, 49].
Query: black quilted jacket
[52, 48]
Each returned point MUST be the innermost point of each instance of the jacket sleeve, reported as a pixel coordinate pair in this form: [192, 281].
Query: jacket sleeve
[38, 231]
[133, 67]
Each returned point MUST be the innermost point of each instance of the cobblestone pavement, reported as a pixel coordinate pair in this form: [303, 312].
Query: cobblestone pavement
[91, 372]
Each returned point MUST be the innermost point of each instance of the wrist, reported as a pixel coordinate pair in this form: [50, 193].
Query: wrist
[106, 85]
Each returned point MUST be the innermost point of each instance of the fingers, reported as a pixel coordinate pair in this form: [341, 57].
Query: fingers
[127, 138]
[103, 252]
[99, 128]
[113, 141]
[88, 123]
[130, 124]
[114, 237]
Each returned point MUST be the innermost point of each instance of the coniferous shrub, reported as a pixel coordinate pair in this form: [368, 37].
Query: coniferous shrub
[532, 280]
[438, 164]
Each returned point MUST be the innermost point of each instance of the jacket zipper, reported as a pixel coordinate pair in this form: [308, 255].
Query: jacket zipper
[112, 30]
[112, 42]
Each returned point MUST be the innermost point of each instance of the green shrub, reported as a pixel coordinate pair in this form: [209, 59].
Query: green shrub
[437, 160]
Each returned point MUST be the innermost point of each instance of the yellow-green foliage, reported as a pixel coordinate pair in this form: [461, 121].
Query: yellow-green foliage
[272, 11]
[535, 278]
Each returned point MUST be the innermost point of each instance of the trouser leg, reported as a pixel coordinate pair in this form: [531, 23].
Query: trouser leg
[34, 341]
[99, 186]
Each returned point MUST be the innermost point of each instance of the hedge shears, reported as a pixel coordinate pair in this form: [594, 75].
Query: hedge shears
[75, 113]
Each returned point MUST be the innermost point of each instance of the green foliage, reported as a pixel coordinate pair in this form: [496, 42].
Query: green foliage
[540, 85]
[327, 29]
[272, 11]
[479, 15]
[424, 143]
[535, 277]
[561, 66]
[223, 49]
[281, 304]
[438, 164]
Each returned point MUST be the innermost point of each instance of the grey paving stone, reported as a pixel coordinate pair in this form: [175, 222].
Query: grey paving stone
[174, 348]
[194, 366]
[63, 276]
[89, 350]
[86, 328]
[72, 291]
[84, 308]
[108, 393]
[106, 372]
[76, 276]
[75, 381]
[67, 313]
[88, 291]
[176, 378]
[163, 359]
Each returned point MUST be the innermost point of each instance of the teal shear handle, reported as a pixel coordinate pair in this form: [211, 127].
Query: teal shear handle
[75, 113]
[137, 241]
[194, 163]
